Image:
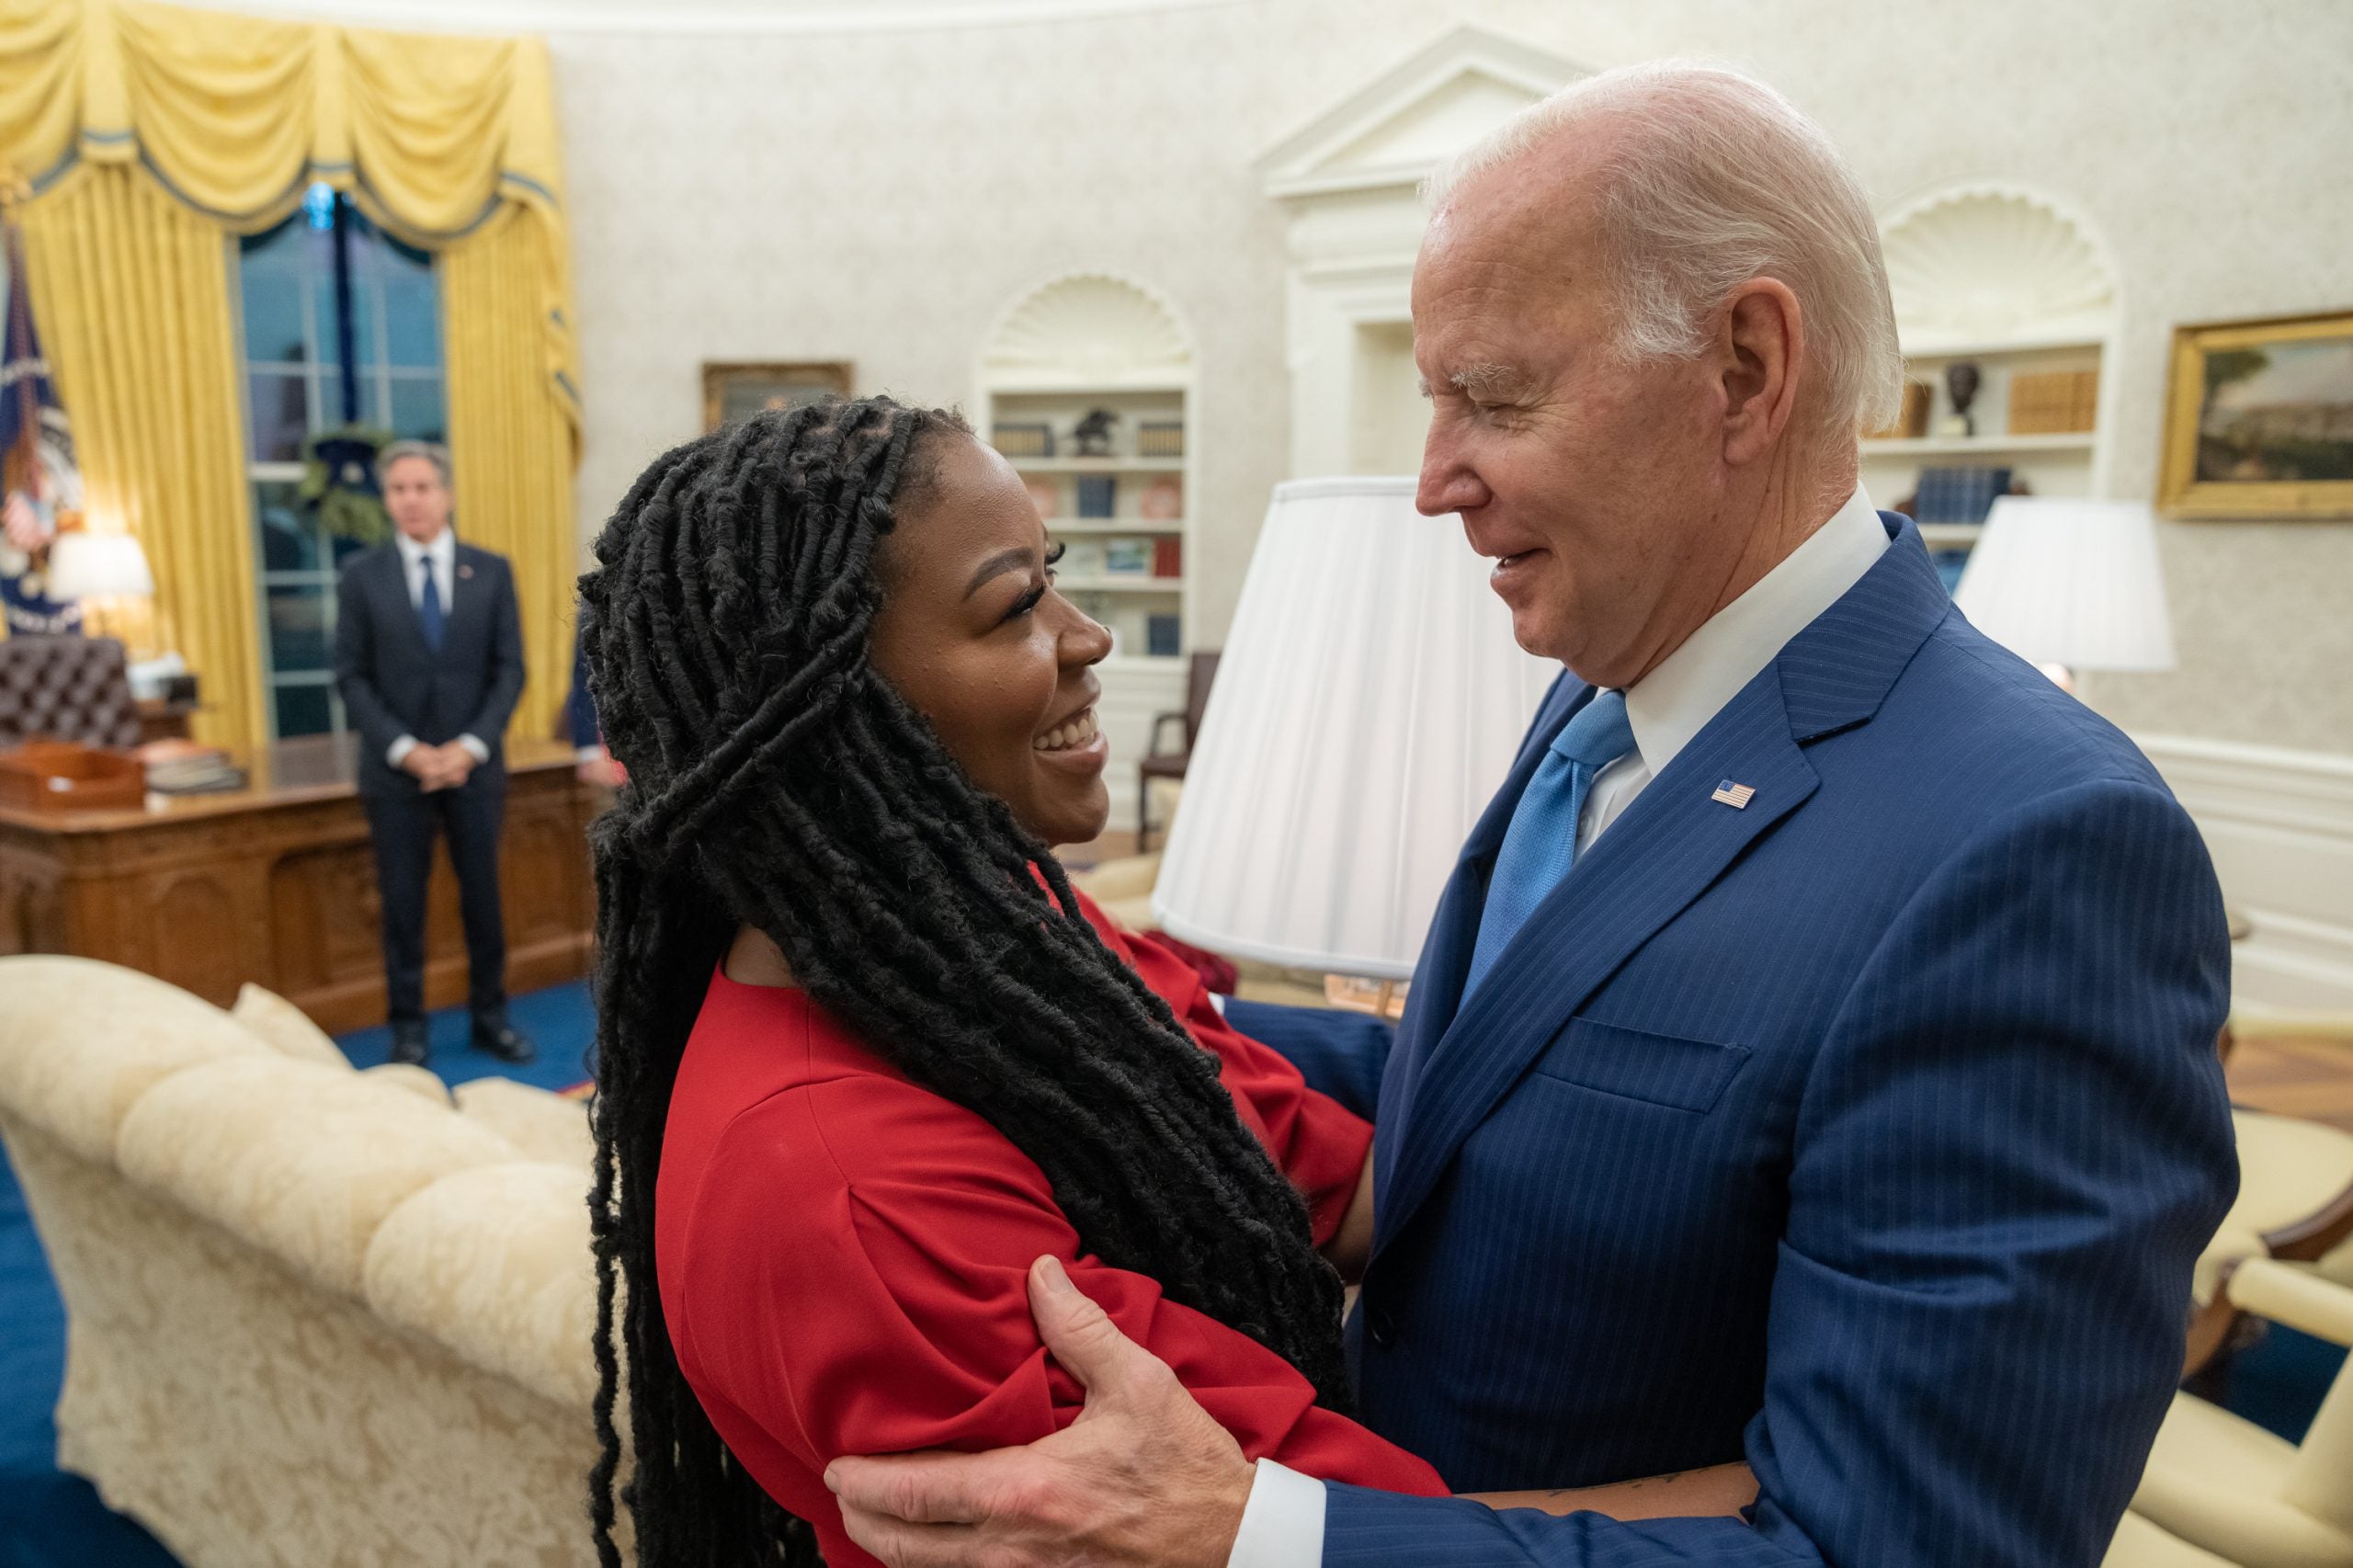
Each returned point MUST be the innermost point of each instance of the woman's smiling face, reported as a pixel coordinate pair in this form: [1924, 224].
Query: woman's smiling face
[972, 634]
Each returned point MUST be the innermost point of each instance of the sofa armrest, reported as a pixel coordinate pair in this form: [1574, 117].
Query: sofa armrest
[81, 1041]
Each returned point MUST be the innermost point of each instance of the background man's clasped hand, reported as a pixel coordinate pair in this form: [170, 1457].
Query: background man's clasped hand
[438, 768]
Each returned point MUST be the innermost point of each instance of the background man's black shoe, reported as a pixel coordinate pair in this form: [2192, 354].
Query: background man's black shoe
[510, 1045]
[408, 1043]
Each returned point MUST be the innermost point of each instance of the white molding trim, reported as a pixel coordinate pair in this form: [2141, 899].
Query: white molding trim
[724, 17]
[1312, 160]
[2280, 825]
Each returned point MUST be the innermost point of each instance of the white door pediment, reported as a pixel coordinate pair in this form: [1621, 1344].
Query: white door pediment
[1404, 123]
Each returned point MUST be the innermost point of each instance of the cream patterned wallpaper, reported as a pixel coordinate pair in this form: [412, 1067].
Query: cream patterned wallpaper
[879, 197]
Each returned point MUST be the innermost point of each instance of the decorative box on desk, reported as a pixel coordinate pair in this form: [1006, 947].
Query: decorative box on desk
[57, 775]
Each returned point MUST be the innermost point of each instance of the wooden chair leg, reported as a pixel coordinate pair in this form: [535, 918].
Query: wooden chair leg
[1143, 813]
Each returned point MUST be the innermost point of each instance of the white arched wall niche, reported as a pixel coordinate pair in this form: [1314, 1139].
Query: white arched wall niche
[2015, 277]
[1086, 330]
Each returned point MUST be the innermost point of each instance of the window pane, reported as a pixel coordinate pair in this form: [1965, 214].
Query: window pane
[281, 415]
[320, 292]
[327, 390]
[363, 319]
[298, 629]
[416, 411]
[273, 316]
[303, 710]
[278, 250]
[411, 324]
[289, 539]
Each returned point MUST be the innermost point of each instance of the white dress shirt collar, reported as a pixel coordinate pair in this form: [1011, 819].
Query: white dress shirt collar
[441, 552]
[1672, 704]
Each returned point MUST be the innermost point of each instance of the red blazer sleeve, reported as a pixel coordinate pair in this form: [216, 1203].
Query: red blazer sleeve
[854, 1279]
[1320, 1145]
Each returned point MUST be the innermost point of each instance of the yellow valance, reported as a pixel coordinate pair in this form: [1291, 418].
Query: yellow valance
[238, 116]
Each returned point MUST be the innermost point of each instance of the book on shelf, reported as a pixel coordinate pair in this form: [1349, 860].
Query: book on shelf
[1023, 437]
[1169, 557]
[1098, 495]
[1160, 439]
[1162, 636]
[1127, 557]
[2054, 403]
[1957, 493]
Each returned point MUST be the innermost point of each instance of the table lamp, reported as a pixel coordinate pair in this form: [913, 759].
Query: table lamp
[96, 569]
[1369, 702]
[2070, 584]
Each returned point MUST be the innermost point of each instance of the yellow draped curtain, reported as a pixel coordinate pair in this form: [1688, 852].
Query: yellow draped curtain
[131, 132]
[127, 286]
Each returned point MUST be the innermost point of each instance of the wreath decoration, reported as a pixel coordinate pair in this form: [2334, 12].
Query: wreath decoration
[339, 483]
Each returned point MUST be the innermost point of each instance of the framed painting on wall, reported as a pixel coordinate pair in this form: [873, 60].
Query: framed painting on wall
[730, 393]
[2259, 420]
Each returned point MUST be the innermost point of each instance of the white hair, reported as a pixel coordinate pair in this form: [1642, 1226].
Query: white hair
[1710, 179]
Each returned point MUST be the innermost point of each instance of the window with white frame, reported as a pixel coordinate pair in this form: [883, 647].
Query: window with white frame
[341, 325]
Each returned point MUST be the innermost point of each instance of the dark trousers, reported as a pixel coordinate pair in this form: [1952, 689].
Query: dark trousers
[401, 820]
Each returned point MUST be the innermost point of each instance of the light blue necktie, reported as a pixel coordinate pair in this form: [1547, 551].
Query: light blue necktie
[428, 608]
[1541, 843]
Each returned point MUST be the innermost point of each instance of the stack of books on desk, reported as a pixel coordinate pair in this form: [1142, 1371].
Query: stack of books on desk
[184, 767]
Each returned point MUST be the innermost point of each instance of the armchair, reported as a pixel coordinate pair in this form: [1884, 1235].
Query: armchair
[66, 688]
[1161, 764]
[2218, 1481]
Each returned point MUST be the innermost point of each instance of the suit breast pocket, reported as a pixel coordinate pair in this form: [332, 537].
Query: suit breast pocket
[1659, 1069]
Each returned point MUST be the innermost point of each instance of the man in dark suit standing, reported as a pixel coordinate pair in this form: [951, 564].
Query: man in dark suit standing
[428, 656]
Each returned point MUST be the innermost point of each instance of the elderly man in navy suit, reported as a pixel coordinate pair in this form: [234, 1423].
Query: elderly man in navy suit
[1811, 1063]
[428, 656]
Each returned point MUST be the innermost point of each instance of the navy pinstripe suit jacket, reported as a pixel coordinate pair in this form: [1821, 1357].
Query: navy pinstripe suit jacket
[1868, 1132]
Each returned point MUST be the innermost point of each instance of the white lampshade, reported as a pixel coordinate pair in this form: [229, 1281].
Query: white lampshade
[1369, 702]
[2062, 580]
[89, 566]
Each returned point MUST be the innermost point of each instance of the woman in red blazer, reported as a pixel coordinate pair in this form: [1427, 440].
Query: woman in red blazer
[863, 1054]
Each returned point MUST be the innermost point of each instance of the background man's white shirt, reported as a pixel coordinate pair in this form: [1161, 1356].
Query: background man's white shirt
[442, 553]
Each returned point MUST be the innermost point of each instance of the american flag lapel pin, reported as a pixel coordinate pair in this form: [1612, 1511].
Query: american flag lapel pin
[465, 572]
[1737, 796]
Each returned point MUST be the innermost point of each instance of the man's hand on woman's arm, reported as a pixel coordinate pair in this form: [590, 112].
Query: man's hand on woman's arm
[1143, 1479]
[1143, 1476]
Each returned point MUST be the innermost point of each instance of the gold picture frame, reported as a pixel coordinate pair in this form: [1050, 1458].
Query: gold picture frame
[2259, 420]
[733, 392]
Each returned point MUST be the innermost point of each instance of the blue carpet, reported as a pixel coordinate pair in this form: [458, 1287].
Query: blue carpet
[50, 1519]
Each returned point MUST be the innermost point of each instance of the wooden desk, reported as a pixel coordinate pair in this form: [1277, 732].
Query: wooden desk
[277, 884]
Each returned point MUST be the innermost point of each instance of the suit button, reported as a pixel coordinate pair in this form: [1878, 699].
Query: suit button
[1380, 1326]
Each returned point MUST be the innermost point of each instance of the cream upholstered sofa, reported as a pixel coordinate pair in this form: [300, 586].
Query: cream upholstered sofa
[314, 1315]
